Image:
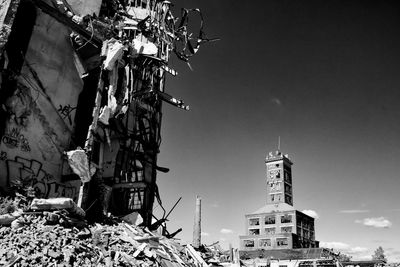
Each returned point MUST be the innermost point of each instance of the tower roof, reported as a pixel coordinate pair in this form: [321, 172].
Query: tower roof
[277, 155]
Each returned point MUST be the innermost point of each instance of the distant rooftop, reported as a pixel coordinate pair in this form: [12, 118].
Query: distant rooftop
[289, 254]
[278, 207]
[277, 155]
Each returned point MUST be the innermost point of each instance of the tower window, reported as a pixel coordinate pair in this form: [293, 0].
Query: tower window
[276, 197]
[288, 199]
[288, 189]
[288, 178]
[275, 186]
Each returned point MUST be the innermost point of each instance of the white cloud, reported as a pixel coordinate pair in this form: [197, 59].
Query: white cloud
[353, 211]
[357, 250]
[204, 234]
[311, 213]
[379, 222]
[276, 101]
[226, 231]
[335, 245]
[394, 210]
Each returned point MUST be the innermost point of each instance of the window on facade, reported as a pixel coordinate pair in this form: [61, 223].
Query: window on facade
[288, 199]
[254, 221]
[254, 231]
[287, 218]
[286, 229]
[276, 197]
[298, 231]
[136, 198]
[288, 189]
[306, 264]
[269, 230]
[306, 234]
[265, 242]
[326, 263]
[288, 179]
[269, 220]
[287, 175]
[281, 242]
[275, 186]
[248, 243]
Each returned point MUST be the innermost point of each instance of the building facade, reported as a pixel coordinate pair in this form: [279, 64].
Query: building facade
[278, 225]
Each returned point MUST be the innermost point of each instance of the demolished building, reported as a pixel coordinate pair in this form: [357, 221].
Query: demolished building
[82, 87]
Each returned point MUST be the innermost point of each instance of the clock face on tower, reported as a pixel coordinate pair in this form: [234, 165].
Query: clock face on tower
[274, 174]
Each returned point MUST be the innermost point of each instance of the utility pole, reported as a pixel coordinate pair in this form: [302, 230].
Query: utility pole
[197, 224]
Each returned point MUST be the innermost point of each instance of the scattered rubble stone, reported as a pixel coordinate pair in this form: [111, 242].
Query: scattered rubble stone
[59, 238]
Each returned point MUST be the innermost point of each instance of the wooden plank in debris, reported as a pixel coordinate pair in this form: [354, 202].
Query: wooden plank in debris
[139, 249]
[196, 256]
[178, 259]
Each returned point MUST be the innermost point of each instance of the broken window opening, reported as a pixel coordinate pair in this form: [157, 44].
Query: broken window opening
[269, 230]
[265, 243]
[282, 242]
[254, 231]
[269, 220]
[248, 243]
[287, 218]
[286, 229]
[136, 199]
[254, 221]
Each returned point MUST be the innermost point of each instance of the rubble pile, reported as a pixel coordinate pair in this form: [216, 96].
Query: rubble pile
[53, 235]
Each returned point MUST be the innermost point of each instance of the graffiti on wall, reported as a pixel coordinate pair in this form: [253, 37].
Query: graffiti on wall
[24, 172]
[14, 139]
[18, 107]
[3, 155]
[66, 112]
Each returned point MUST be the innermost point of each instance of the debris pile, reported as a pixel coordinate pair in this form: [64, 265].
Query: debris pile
[51, 232]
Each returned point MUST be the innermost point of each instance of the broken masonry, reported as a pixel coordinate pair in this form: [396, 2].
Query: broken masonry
[81, 93]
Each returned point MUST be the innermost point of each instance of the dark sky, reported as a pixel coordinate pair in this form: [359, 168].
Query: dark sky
[325, 77]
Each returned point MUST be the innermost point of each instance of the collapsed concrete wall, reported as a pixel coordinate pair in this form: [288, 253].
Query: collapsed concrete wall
[94, 94]
[39, 103]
